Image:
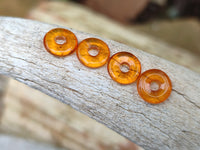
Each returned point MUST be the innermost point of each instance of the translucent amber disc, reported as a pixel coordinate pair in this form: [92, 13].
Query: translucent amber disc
[60, 42]
[154, 86]
[93, 61]
[127, 60]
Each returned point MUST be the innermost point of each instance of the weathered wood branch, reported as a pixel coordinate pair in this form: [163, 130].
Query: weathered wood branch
[24, 115]
[71, 15]
[173, 124]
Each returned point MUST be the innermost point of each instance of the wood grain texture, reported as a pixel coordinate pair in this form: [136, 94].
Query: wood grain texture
[173, 124]
[71, 15]
[25, 116]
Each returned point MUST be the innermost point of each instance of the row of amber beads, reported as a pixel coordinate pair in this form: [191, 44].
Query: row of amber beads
[154, 86]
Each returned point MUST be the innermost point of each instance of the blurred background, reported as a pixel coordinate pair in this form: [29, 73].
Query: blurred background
[167, 28]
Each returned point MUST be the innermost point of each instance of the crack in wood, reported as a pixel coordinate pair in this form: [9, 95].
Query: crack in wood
[94, 94]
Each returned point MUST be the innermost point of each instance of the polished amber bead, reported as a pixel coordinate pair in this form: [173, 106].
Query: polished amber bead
[129, 62]
[60, 42]
[90, 60]
[154, 86]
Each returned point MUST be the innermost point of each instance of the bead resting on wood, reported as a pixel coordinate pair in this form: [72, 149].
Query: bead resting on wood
[60, 42]
[171, 125]
[124, 68]
[154, 86]
[93, 52]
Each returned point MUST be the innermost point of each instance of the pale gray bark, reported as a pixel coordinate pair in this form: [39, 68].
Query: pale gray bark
[174, 124]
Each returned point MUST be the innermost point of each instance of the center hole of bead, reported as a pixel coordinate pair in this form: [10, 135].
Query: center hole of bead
[60, 40]
[154, 86]
[124, 67]
[93, 50]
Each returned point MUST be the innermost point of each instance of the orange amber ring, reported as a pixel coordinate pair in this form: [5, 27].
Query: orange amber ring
[93, 53]
[154, 86]
[60, 42]
[124, 67]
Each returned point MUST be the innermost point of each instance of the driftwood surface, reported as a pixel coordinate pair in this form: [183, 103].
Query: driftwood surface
[71, 15]
[25, 116]
[173, 124]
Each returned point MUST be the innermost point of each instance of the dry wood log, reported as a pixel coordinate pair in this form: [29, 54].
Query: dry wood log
[25, 116]
[71, 15]
[173, 124]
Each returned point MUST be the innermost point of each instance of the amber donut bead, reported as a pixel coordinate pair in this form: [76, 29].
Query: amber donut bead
[159, 94]
[89, 60]
[117, 61]
[68, 45]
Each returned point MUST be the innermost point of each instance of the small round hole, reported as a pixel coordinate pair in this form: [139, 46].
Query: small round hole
[93, 51]
[60, 40]
[124, 67]
[154, 86]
